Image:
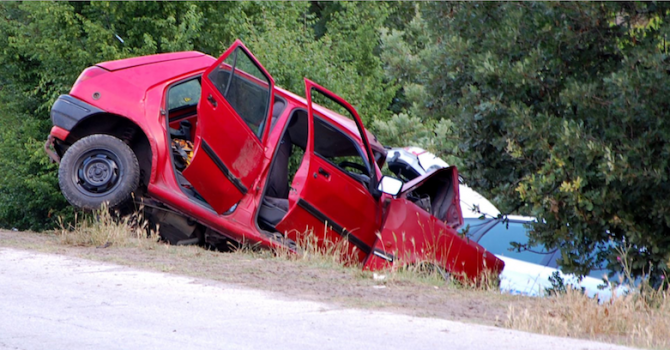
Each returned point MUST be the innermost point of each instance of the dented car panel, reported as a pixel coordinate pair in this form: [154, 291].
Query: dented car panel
[225, 156]
[426, 214]
[437, 192]
[411, 235]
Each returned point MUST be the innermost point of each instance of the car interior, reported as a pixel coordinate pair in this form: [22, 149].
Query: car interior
[182, 116]
[401, 169]
[183, 120]
[331, 144]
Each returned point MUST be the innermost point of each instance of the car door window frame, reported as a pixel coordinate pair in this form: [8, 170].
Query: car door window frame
[369, 157]
[350, 139]
[249, 76]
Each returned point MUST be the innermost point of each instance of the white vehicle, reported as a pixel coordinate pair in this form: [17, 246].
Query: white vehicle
[527, 271]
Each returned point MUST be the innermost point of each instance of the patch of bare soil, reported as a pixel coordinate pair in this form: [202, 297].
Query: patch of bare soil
[344, 286]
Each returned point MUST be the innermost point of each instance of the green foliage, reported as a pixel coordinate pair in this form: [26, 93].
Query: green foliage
[417, 124]
[28, 198]
[561, 113]
[342, 59]
[46, 45]
[435, 136]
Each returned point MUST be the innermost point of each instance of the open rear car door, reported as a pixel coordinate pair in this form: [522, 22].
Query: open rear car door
[234, 108]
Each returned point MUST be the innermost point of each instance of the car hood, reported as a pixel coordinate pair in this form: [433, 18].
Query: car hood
[438, 193]
[474, 205]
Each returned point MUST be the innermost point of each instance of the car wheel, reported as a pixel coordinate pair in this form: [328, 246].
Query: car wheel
[98, 169]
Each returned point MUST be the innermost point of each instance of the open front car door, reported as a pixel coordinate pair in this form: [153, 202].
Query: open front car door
[334, 193]
[234, 109]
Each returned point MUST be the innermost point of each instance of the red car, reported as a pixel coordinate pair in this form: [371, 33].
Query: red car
[217, 152]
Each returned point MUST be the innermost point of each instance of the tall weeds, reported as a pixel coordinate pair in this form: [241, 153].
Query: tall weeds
[103, 229]
[316, 249]
[640, 317]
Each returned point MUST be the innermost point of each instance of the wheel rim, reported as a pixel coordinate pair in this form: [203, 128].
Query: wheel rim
[97, 172]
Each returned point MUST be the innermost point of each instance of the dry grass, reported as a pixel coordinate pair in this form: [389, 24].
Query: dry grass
[641, 317]
[103, 229]
[315, 249]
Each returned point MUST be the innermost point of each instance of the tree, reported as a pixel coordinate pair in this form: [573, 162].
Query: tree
[415, 123]
[46, 45]
[561, 112]
[340, 56]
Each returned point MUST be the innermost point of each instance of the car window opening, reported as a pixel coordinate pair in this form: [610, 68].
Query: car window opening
[341, 151]
[245, 88]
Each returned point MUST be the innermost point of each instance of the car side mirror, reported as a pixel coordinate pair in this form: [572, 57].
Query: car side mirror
[390, 185]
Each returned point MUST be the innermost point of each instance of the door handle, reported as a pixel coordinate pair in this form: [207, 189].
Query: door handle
[324, 173]
[212, 101]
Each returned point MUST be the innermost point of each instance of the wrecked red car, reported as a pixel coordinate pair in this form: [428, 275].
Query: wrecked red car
[218, 153]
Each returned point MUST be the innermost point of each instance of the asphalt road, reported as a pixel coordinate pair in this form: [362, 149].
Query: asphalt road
[56, 302]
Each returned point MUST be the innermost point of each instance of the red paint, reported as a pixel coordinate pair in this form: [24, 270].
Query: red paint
[136, 89]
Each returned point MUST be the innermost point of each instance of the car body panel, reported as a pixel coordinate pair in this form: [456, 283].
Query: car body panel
[146, 60]
[412, 235]
[343, 206]
[123, 92]
[474, 205]
[227, 155]
[442, 187]
[524, 278]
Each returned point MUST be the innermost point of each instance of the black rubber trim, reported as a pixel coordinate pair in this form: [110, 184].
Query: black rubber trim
[335, 226]
[67, 111]
[210, 152]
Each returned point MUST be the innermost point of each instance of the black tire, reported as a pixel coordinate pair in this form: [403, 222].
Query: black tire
[98, 169]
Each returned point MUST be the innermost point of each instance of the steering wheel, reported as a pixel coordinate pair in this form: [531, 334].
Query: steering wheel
[347, 164]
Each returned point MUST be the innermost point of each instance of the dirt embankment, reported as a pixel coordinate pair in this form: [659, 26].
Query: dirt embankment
[345, 286]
